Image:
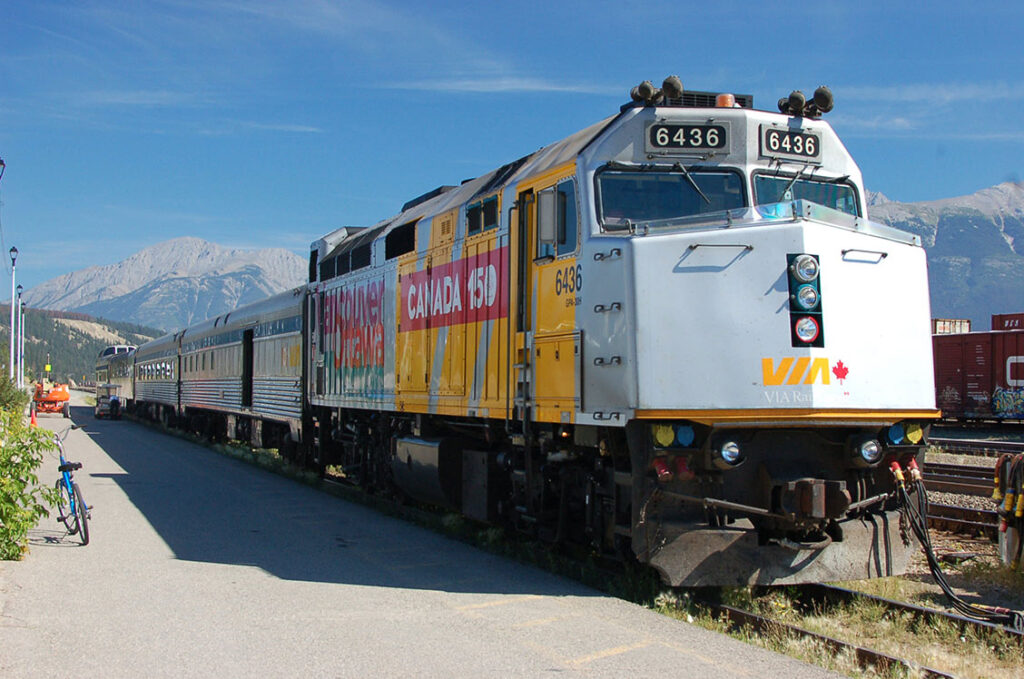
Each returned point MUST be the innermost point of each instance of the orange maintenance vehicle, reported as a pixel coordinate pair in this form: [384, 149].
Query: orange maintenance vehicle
[55, 399]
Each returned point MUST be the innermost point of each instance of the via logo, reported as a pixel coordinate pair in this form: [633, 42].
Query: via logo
[803, 370]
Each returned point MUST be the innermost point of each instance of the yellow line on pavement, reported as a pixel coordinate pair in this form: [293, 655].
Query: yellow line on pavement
[498, 602]
[607, 653]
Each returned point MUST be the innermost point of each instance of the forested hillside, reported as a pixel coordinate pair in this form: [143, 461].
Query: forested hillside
[70, 341]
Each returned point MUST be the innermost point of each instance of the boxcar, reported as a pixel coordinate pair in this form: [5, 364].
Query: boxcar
[980, 375]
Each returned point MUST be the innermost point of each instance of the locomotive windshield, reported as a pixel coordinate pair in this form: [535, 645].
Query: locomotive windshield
[630, 196]
[834, 194]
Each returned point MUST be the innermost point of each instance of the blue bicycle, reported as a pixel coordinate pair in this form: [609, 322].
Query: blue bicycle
[74, 513]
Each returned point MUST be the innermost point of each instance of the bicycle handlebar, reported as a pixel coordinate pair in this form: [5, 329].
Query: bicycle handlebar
[59, 436]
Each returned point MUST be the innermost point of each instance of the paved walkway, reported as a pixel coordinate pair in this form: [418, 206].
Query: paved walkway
[200, 565]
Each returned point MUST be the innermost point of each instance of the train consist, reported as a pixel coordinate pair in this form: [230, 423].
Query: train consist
[980, 375]
[674, 335]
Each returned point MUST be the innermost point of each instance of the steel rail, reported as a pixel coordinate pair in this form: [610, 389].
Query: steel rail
[964, 520]
[824, 593]
[962, 479]
[866, 657]
[977, 446]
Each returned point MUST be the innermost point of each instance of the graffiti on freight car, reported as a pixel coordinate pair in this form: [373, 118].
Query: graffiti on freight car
[1008, 403]
[353, 325]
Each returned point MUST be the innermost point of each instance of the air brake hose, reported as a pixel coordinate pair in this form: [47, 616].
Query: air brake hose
[915, 508]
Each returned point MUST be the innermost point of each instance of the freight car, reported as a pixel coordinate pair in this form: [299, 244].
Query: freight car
[660, 336]
[980, 375]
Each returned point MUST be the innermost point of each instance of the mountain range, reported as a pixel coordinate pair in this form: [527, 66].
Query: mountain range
[975, 247]
[172, 284]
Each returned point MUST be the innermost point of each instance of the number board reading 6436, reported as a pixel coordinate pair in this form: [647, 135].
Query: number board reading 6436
[668, 138]
[781, 142]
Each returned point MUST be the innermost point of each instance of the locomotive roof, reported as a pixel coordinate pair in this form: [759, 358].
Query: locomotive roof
[445, 198]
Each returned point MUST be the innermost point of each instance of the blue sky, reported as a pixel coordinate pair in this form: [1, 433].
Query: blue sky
[256, 123]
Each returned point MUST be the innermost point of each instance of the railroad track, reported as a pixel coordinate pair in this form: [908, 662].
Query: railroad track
[964, 520]
[822, 597]
[958, 478]
[981, 447]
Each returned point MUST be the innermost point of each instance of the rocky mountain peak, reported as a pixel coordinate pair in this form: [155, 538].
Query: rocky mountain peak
[172, 284]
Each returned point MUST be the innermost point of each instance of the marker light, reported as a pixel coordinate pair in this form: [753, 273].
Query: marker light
[895, 434]
[725, 100]
[807, 329]
[807, 297]
[804, 268]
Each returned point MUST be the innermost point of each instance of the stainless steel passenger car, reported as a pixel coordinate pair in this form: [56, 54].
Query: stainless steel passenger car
[241, 372]
[156, 373]
[120, 372]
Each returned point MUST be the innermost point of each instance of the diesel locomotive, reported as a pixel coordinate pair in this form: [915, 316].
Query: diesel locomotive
[673, 336]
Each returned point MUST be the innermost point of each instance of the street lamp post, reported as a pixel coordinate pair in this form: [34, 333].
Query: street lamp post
[14, 258]
[19, 350]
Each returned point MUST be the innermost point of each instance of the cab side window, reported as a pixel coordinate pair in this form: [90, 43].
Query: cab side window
[568, 220]
[560, 199]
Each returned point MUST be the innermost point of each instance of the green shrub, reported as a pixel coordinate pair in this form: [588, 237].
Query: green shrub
[21, 497]
[11, 398]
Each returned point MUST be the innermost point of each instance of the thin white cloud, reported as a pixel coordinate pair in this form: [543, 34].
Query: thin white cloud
[878, 122]
[141, 98]
[283, 127]
[228, 127]
[501, 84]
[937, 93]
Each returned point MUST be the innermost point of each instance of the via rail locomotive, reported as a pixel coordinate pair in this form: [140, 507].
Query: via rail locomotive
[674, 335]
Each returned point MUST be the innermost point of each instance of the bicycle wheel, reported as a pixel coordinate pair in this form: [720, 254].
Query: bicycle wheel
[82, 513]
[66, 516]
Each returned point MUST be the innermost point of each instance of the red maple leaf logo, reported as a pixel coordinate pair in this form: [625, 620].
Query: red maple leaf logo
[840, 371]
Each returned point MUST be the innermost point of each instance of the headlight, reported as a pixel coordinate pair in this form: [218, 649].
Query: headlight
[727, 454]
[871, 451]
[866, 452]
[804, 268]
[807, 329]
[807, 297]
